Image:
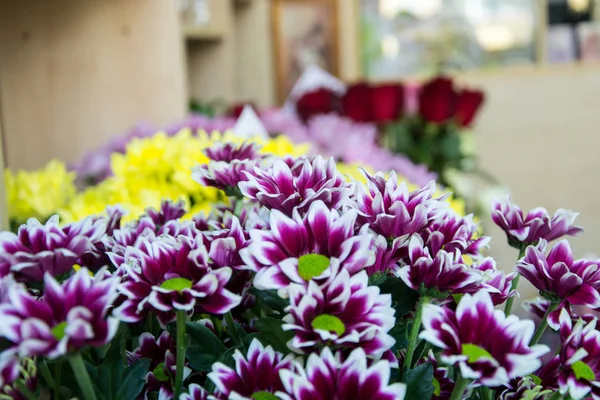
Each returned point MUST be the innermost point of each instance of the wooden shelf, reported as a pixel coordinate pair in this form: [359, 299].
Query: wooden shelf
[205, 33]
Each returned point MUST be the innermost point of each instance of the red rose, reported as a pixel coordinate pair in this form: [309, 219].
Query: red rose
[469, 102]
[437, 100]
[356, 103]
[320, 101]
[236, 110]
[387, 102]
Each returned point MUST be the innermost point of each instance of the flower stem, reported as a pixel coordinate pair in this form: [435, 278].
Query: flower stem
[231, 326]
[181, 348]
[543, 324]
[57, 378]
[460, 387]
[82, 376]
[414, 333]
[514, 284]
[238, 207]
[485, 393]
[25, 391]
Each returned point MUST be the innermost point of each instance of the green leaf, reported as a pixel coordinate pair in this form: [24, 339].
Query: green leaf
[205, 347]
[583, 371]
[457, 297]
[437, 389]
[398, 332]
[109, 374]
[536, 379]
[271, 298]
[270, 333]
[475, 353]
[419, 382]
[134, 378]
[403, 297]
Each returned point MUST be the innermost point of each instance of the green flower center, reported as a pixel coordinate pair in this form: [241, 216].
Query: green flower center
[59, 330]
[475, 353]
[177, 284]
[159, 372]
[311, 265]
[329, 323]
[583, 371]
[263, 396]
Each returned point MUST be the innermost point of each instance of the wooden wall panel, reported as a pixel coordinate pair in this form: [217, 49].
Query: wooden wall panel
[74, 73]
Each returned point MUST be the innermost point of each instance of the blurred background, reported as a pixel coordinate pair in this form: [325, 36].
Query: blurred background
[76, 73]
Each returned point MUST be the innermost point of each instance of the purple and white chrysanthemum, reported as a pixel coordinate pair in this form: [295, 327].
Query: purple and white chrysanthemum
[537, 224]
[13, 369]
[258, 373]
[325, 377]
[579, 374]
[228, 165]
[488, 346]
[284, 188]
[169, 211]
[494, 281]
[560, 278]
[454, 232]
[37, 249]
[196, 392]
[539, 386]
[442, 274]
[393, 211]
[526, 389]
[167, 274]
[97, 229]
[345, 312]
[538, 306]
[162, 355]
[302, 248]
[68, 317]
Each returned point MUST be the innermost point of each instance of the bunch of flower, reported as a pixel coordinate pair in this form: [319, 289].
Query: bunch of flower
[424, 123]
[38, 194]
[360, 144]
[300, 285]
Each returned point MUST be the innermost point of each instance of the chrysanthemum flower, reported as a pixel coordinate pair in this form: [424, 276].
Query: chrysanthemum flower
[324, 377]
[497, 283]
[227, 165]
[162, 355]
[300, 248]
[443, 273]
[392, 210]
[68, 317]
[254, 375]
[37, 249]
[537, 224]
[165, 274]
[560, 278]
[538, 385]
[486, 345]
[345, 312]
[38, 194]
[526, 389]
[282, 188]
[13, 369]
[454, 232]
[196, 392]
[168, 211]
[579, 358]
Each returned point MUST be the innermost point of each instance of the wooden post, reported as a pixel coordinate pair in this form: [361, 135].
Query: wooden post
[3, 201]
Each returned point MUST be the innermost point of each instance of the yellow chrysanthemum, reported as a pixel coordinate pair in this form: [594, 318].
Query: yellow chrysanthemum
[39, 193]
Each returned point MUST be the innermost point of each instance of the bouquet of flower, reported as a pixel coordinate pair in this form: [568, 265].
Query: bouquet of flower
[427, 123]
[300, 284]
